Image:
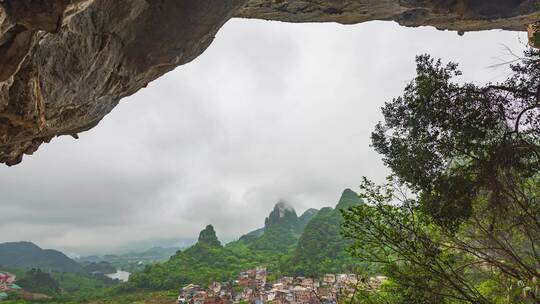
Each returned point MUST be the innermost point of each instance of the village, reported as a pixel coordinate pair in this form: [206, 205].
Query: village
[251, 286]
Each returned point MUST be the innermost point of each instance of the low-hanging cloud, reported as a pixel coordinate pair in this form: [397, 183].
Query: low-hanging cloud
[270, 111]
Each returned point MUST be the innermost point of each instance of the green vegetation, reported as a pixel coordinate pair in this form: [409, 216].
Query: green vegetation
[458, 222]
[37, 281]
[321, 248]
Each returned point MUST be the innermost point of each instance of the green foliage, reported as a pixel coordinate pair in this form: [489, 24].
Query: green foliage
[38, 281]
[392, 292]
[408, 248]
[449, 141]
[469, 231]
[321, 248]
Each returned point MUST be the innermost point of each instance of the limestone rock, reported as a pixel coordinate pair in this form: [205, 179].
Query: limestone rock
[65, 64]
[208, 236]
[458, 15]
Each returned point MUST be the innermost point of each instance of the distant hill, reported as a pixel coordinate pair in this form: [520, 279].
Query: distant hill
[26, 255]
[321, 248]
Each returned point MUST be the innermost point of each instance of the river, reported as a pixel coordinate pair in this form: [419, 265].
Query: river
[120, 275]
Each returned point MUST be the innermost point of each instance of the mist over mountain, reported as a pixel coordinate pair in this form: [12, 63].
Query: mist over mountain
[282, 215]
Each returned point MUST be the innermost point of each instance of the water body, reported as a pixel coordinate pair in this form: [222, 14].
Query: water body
[120, 275]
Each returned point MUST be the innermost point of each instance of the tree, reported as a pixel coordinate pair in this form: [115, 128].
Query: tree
[470, 157]
[452, 141]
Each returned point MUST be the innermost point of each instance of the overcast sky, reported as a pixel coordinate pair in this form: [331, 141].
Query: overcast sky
[271, 110]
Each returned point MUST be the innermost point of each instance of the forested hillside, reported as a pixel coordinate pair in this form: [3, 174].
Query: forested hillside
[321, 248]
[275, 246]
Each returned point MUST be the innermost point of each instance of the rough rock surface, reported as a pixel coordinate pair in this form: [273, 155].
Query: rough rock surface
[65, 64]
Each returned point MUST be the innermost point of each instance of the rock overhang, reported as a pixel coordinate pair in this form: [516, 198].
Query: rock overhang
[65, 64]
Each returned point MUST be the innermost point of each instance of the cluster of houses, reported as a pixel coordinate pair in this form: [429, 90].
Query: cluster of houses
[252, 287]
[7, 284]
